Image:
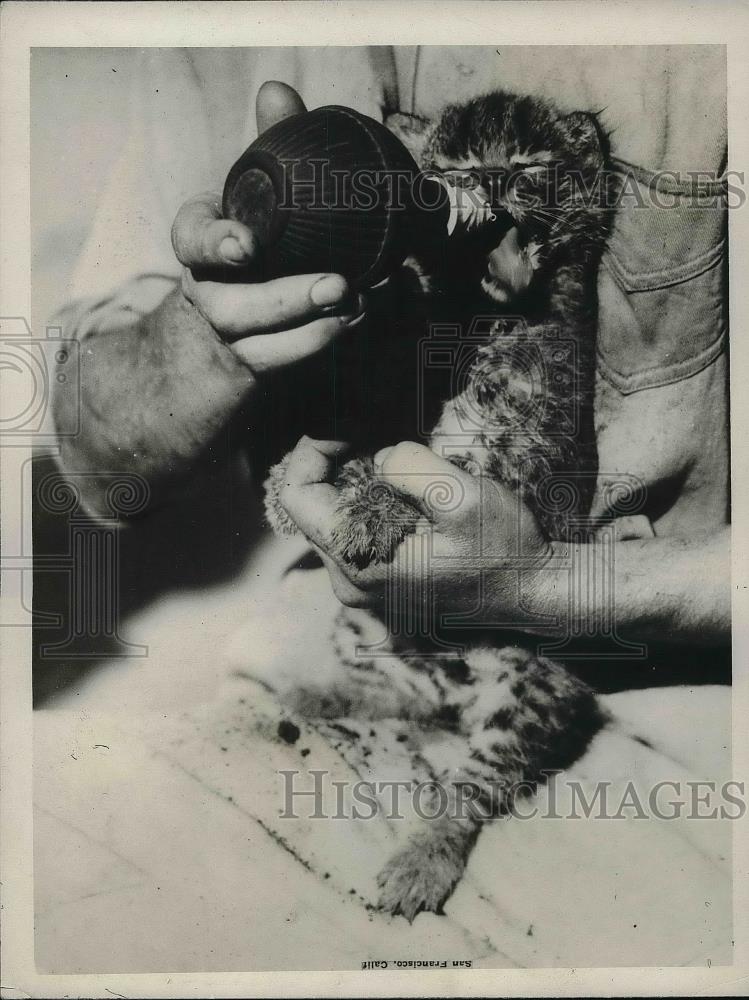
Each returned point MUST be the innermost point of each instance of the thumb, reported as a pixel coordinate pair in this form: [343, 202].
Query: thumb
[439, 487]
[276, 101]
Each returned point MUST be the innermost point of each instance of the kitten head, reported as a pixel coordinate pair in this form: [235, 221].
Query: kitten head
[541, 172]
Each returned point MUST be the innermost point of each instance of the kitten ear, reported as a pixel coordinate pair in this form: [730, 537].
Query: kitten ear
[413, 132]
[585, 133]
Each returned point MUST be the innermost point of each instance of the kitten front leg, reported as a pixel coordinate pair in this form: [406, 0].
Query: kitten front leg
[275, 512]
[372, 518]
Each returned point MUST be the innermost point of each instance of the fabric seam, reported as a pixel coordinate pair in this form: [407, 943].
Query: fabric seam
[660, 375]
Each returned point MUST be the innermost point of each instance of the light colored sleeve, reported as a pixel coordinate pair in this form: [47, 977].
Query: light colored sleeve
[165, 158]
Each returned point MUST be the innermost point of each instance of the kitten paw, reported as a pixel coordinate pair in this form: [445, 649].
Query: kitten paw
[275, 512]
[373, 517]
[418, 878]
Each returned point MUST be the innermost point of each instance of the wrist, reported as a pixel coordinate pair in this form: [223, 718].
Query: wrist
[205, 382]
[545, 588]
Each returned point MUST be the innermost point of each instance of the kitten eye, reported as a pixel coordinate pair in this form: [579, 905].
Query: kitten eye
[534, 170]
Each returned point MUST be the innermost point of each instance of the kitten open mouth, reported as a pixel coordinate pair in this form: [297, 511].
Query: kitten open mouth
[509, 267]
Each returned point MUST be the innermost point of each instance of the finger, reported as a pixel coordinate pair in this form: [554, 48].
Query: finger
[343, 586]
[276, 101]
[313, 509]
[439, 487]
[239, 310]
[201, 238]
[308, 496]
[264, 352]
[313, 461]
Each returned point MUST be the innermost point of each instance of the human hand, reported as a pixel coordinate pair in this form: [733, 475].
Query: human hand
[481, 534]
[267, 324]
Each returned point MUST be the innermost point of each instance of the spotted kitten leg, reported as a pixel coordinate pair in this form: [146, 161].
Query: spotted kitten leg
[525, 714]
[421, 876]
[522, 717]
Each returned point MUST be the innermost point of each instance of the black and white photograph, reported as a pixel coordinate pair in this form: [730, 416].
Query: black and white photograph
[370, 528]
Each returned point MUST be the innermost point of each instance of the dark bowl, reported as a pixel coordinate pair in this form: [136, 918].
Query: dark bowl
[329, 190]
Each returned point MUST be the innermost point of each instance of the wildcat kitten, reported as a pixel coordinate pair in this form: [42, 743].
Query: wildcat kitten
[498, 714]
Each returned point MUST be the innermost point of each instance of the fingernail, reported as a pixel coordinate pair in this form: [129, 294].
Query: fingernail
[355, 321]
[354, 312]
[328, 290]
[231, 250]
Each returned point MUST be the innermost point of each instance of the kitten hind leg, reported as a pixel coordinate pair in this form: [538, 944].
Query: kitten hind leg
[523, 718]
[422, 875]
[526, 715]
